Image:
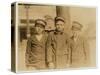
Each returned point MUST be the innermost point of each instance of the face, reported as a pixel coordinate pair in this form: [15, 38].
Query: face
[75, 32]
[39, 29]
[60, 26]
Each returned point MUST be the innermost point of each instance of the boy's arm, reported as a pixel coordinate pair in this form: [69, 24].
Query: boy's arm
[49, 52]
[69, 52]
[28, 49]
[86, 50]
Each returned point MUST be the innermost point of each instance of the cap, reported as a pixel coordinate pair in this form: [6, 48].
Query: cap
[58, 18]
[41, 22]
[76, 25]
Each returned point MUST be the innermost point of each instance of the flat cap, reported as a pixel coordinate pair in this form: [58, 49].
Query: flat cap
[76, 25]
[41, 22]
[58, 18]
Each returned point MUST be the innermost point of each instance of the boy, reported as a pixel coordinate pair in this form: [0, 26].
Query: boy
[80, 47]
[58, 53]
[35, 52]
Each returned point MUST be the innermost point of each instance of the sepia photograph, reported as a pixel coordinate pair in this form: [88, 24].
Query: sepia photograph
[52, 37]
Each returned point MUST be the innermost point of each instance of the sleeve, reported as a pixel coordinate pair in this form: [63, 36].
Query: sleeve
[49, 49]
[69, 49]
[28, 49]
[86, 50]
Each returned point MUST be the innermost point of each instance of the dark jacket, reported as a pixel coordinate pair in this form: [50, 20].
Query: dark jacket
[58, 49]
[80, 52]
[35, 51]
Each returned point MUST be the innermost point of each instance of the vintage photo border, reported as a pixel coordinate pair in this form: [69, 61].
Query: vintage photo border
[16, 39]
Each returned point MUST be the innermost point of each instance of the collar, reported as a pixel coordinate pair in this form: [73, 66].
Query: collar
[57, 32]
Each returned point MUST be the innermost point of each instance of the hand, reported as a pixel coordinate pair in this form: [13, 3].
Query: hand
[51, 65]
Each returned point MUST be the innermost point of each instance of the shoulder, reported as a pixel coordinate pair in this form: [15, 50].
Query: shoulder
[51, 33]
[31, 37]
[45, 34]
[67, 36]
[82, 38]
